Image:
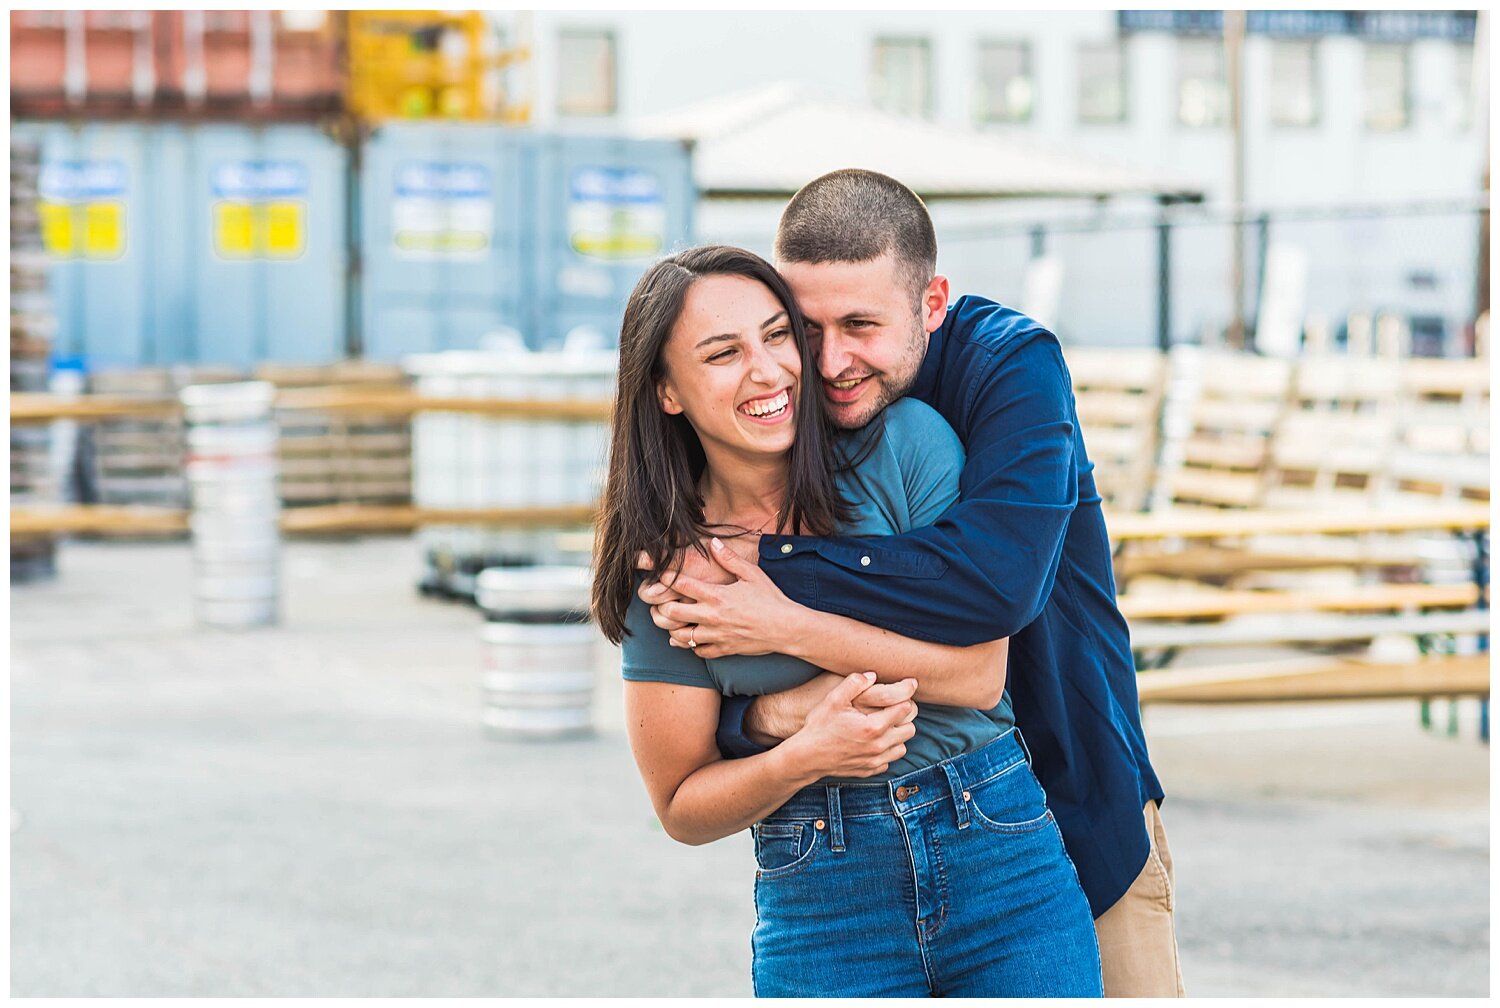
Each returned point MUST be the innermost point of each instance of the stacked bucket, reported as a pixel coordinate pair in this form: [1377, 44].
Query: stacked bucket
[235, 518]
[538, 652]
[34, 473]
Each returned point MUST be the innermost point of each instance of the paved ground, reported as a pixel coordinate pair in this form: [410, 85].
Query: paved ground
[313, 810]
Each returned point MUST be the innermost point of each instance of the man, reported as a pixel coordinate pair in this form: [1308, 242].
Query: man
[1023, 554]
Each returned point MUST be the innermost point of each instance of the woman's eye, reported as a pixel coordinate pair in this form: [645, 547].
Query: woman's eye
[778, 335]
[722, 355]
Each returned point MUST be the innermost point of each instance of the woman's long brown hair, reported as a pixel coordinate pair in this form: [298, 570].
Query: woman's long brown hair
[651, 503]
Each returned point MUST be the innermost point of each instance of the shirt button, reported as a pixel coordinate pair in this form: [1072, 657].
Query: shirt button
[786, 547]
[864, 561]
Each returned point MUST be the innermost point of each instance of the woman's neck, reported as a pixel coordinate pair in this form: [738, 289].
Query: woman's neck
[740, 491]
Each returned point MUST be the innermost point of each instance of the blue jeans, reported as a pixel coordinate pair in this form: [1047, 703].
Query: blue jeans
[950, 881]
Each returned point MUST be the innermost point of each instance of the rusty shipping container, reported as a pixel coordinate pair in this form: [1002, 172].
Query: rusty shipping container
[272, 64]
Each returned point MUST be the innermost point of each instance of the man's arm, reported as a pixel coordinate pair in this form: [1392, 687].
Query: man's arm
[751, 616]
[986, 568]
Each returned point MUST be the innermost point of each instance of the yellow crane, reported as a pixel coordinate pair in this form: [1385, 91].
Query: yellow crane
[429, 65]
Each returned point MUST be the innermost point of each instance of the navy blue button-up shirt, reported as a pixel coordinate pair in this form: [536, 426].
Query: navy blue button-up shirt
[1024, 555]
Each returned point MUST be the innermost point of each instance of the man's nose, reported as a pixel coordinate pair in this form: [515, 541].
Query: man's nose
[833, 356]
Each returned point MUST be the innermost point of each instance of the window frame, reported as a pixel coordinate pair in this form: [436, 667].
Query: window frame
[568, 33]
[927, 107]
[1120, 46]
[1028, 71]
[1314, 50]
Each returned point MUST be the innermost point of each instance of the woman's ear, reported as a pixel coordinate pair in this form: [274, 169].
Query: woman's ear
[667, 396]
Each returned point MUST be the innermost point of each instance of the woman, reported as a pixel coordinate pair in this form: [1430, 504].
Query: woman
[936, 868]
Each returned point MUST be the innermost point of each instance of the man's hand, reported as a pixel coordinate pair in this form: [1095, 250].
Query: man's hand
[747, 616]
[694, 566]
[841, 740]
[776, 716]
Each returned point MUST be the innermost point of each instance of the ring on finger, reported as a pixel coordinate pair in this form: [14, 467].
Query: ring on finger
[691, 634]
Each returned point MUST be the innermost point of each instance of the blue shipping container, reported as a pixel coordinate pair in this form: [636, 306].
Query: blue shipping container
[195, 244]
[468, 230]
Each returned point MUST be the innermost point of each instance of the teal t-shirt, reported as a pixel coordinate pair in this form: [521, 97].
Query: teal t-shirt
[906, 476]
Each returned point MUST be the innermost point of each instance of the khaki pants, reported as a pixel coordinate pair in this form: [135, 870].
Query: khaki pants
[1137, 936]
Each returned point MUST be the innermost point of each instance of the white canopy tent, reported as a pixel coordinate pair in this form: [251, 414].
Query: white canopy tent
[770, 141]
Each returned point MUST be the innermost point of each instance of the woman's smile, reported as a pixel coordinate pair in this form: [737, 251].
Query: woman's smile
[769, 409]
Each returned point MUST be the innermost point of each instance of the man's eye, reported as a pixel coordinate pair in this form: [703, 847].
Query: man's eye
[859, 324]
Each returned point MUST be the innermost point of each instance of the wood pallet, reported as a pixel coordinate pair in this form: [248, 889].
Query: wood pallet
[1118, 393]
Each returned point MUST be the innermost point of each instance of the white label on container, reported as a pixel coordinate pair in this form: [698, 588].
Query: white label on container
[442, 210]
[616, 213]
[259, 180]
[76, 181]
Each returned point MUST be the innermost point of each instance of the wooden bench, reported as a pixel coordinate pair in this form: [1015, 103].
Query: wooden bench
[1308, 679]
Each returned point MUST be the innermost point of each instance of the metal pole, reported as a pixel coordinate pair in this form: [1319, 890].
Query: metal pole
[1163, 278]
[1262, 245]
[1234, 53]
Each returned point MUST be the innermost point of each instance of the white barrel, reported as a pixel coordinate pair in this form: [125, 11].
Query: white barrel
[537, 668]
[470, 461]
[235, 520]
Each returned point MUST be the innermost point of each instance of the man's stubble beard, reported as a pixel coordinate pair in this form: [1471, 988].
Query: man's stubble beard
[888, 388]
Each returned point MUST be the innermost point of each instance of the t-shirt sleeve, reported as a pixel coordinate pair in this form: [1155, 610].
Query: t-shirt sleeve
[929, 455]
[646, 655]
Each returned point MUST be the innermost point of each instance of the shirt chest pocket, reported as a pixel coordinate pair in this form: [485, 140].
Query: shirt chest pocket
[882, 562]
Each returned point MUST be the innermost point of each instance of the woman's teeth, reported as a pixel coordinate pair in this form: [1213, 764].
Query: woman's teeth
[768, 407]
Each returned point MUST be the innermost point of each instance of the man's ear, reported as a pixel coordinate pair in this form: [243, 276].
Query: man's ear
[935, 303]
[667, 396]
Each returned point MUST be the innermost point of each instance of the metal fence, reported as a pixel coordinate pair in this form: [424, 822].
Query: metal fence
[1165, 277]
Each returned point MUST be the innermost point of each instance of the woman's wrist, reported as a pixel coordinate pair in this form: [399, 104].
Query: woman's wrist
[794, 763]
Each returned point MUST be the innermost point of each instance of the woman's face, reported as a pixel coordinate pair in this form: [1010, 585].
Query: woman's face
[731, 366]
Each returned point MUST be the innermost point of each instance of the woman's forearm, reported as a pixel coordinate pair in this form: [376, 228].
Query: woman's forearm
[727, 796]
[954, 676]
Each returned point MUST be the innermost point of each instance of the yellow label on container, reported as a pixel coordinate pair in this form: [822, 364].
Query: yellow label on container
[283, 230]
[234, 230]
[57, 228]
[103, 230]
[259, 230]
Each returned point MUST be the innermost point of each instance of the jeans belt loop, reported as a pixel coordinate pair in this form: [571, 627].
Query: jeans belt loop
[1022, 740]
[835, 820]
[960, 796]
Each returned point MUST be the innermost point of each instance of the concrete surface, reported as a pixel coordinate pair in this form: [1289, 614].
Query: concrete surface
[313, 810]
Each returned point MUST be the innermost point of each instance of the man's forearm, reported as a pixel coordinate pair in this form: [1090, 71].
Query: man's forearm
[952, 676]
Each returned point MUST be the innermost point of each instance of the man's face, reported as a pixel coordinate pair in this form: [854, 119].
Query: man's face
[868, 331]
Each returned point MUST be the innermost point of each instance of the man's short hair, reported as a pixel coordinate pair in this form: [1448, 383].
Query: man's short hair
[855, 215]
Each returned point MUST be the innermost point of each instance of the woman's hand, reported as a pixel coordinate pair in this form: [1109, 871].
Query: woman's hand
[749, 616]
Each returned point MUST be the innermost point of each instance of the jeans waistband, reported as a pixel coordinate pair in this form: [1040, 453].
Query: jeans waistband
[945, 780]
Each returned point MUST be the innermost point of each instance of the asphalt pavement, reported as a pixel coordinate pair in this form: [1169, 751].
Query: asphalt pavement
[313, 809]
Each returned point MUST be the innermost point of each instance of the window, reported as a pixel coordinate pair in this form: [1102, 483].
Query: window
[1101, 82]
[586, 69]
[1294, 83]
[1202, 85]
[901, 76]
[1463, 83]
[1006, 88]
[1387, 87]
